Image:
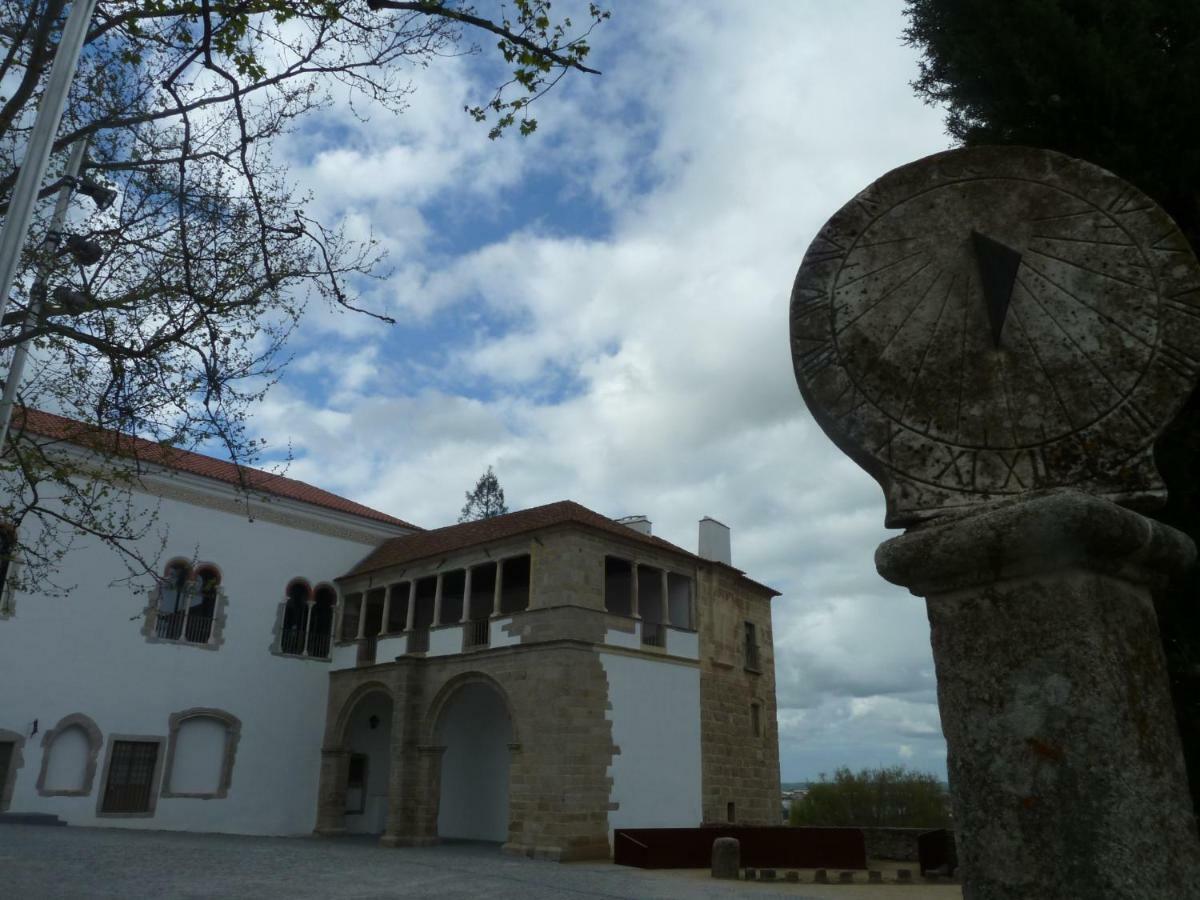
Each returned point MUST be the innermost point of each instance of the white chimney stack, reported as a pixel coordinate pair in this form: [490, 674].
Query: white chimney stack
[640, 524]
[714, 541]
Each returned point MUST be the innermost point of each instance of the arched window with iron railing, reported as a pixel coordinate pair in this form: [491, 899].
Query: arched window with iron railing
[294, 631]
[186, 607]
[172, 604]
[320, 628]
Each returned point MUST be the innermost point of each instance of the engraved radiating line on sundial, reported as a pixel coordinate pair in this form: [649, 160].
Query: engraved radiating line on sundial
[884, 243]
[1178, 361]
[1004, 389]
[1078, 240]
[912, 384]
[1089, 211]
[1073, 264]
[962, 358]
[884, 296]
[882, 268]
[1123, 197]
[866, 370]
[1103, 315]
[1016, 313]
[1082, 352]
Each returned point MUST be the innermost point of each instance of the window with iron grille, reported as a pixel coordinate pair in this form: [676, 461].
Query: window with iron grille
[129, 787]
[751, 634]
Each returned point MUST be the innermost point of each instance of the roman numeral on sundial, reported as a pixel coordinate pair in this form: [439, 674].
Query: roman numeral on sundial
[998, 264]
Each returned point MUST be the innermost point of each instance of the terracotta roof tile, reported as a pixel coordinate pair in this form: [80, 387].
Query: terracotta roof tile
[56, 427]
[437, 541]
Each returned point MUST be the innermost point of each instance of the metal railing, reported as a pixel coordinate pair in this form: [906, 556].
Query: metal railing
[169, 625]
[318, 644]
[418, 641]
[291, 640]
[752, 656]
[477, 634]
[182, 626]
[654, 635]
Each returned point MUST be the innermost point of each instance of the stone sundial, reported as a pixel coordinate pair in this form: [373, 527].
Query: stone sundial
[988, 322]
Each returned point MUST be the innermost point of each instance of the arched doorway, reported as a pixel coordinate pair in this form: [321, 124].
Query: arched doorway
[368, 738]
[475, 729]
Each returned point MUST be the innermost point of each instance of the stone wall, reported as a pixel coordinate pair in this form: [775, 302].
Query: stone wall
[739, 767]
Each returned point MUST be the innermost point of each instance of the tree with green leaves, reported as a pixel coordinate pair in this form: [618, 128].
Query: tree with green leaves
[486, 501]
[210, 255]
[893, 797]
[1113, 82]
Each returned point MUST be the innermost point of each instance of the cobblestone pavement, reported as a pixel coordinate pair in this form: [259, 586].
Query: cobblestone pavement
[39, 863]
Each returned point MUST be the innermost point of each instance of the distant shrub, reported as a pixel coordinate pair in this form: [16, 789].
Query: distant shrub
[895, 797]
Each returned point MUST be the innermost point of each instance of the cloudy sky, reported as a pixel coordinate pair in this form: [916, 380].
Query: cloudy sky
[600, 312]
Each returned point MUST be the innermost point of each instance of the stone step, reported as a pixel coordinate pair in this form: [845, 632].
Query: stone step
[11, 818]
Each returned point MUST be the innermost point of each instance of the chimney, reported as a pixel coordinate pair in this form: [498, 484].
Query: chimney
[714, 541]
[640, 524]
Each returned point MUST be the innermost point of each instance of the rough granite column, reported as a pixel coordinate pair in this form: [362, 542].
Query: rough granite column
[1053, 695]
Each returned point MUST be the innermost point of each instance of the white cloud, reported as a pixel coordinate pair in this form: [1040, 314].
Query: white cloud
[631, 353]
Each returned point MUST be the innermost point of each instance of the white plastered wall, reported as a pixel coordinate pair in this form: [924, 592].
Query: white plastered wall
[85, 653]
[655, 719]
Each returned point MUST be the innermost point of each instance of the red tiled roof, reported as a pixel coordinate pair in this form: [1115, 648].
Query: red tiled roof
[437, 541]
[59, 428]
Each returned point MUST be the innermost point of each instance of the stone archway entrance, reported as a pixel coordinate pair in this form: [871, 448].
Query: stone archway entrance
[368, 738]
[476, 732]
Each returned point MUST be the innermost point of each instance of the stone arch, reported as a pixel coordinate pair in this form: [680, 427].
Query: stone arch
[447, 692]
[471, 727]
[15, 761]
[342, 722]
[365, 736]
[95, 740]
[233, 734]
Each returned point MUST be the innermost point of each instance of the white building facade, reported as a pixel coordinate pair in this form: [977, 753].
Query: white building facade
[306, 662]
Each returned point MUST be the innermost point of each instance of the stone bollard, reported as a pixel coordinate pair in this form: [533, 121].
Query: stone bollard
[904, 876]
[874, 877]
[846, 878]
[792, 876]
[726, 858]
[767, 875]
[820, 877]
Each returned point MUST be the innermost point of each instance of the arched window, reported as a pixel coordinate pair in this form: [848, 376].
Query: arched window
[172, 600]
[295, 617]
[320, 630]
[203, 610]
[201, 749]
[189, 605]
[69, 755]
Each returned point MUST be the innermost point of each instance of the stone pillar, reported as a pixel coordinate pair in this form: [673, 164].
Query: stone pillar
[1064, 757]
[633, 590]
[437, 602]
[308, 615]
[497, 592]
[412, 605]
[666, 601]
[466, 610]
[331, 792]
[362, 616]
[387, 609]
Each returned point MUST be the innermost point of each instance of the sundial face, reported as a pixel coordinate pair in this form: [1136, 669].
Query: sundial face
[992, 321]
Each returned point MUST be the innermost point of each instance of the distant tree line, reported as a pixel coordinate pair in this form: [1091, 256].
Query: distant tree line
[895, 797]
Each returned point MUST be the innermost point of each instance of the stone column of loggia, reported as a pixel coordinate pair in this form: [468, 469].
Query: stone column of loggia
[1064, 759]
